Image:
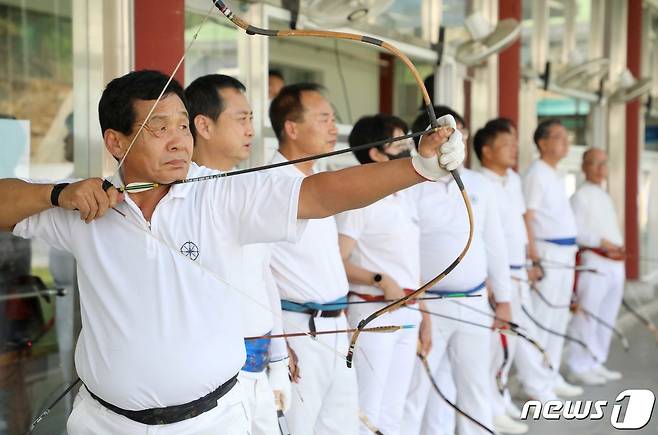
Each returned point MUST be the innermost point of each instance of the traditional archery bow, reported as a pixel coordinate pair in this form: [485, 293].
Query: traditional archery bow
[645, 320]
[510, 331]
[552, 264]
[493, 316]
[499, 373]
[369, 424]
[454, 406]
[620, 335]
[252, 30]
[559, 334]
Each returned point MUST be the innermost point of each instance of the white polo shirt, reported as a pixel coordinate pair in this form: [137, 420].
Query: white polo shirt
[596, 218]
[511, 208]
[386, 242]
[545, 195]
[311, 269]
[158, 327]
[444, 228]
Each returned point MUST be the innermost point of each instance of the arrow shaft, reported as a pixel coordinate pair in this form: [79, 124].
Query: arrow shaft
[377, 329]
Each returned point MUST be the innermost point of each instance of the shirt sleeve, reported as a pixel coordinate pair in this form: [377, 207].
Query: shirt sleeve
[498, 270]
[52, 226]
[587, 234]
[261, 207]
[351, 223]
[533, 189]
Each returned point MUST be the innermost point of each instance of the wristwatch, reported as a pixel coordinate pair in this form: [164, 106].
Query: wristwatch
[377, 279]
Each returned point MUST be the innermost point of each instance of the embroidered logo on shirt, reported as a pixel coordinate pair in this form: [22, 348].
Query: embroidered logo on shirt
[189, 249]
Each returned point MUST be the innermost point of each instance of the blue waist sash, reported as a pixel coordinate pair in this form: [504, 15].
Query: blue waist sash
[258, 354]
[516, 266]
[569, 241]
[452, 292]
[297, 307]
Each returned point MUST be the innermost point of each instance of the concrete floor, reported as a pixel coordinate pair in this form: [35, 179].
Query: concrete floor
[640, 369]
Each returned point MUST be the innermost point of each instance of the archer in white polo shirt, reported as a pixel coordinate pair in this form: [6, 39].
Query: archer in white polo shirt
[161, 340]
[379, 247]
[464, 351]
[221, 122]
[552, 240]
[496, 147]
[602, 248]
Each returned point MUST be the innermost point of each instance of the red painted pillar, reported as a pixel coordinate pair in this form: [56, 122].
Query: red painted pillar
[160, 35]
[509, 66]
[633, 51]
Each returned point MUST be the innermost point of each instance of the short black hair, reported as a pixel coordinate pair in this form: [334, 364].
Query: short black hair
[115, 108]
[287, 105]
[423, 119]
[371, 129]
[276, 73]
[543, 130]
[502, 123]
[203, 96]
[488, 134]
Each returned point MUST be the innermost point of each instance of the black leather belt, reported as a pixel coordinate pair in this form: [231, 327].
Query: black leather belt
[319, 313]
[176, 413]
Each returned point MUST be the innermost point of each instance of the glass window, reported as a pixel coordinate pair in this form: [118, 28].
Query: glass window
[349, 71]
[408, 99]
[37, 328]
[215, 50]
[398, 18]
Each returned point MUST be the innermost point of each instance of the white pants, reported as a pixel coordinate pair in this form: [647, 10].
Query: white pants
[556, 287]
[325, 398]
[89, 417]
[260, 402]
[531, 370]
[601, 295]
[384, 365]
[467, 349]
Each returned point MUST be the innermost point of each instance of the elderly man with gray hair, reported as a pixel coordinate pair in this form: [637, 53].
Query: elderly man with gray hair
[601, 248]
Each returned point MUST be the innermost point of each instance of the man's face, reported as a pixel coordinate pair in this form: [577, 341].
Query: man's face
[556, 145]
[163, 150]
[595, 166]
[503, 151]
[233, 131]
[316, 132]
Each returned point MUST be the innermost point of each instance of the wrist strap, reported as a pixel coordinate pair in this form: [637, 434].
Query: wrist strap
[54, 194]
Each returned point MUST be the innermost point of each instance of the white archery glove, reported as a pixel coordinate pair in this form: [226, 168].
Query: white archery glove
[280, 381]
[451, 154]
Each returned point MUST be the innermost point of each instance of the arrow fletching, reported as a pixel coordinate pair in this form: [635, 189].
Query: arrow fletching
[139, 187]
